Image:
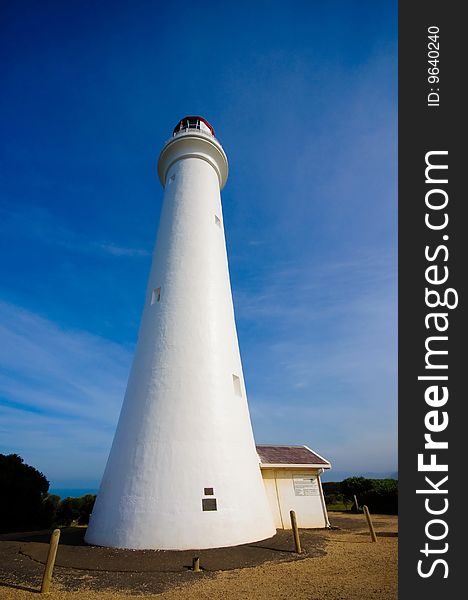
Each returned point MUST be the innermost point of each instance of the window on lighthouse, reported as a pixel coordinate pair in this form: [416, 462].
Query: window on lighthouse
[237, 385]
[204, 128]
[156, 295]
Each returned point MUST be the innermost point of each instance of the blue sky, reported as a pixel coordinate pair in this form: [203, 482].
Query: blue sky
[303, 97]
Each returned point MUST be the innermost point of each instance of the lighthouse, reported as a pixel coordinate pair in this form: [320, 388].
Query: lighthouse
[183, 471]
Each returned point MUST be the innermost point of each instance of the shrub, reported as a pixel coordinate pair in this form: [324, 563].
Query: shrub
[86, 508]
[383, 497]
[355, 486]
[75, 510]
[380, 495]
[332, 498]
[50, 506]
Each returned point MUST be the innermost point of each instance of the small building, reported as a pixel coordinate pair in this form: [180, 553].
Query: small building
[291, 475]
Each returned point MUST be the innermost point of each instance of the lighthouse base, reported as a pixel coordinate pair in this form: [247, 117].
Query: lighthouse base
[151, 537]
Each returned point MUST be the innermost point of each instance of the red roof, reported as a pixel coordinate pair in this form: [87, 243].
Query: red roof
[289, 455]
[192, 118]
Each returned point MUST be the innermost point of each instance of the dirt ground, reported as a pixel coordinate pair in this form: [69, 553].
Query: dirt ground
[337, 564]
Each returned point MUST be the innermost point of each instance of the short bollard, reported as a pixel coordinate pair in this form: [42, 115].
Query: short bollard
[369, 522]
[196, 564]
[356, 503]
[49, 568]
[297, 541]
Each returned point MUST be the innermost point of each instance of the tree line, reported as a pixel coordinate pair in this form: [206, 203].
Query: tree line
[25, 503]
[379, 495]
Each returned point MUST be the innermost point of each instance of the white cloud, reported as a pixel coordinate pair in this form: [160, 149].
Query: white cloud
[60, 394]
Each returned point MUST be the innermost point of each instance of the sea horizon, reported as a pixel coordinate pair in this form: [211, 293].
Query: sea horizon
[72, 492]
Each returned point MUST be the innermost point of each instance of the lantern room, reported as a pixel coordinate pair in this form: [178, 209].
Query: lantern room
[193, 122]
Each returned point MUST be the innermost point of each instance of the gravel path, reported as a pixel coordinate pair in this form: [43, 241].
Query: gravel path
[341, 564]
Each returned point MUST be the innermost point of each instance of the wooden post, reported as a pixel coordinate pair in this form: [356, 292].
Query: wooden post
[369, 522]
[49, 568]
[297, 541]
[356, 503]
[196, 564]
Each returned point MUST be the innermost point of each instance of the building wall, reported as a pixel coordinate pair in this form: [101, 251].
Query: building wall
[269, 480]
[299, 490]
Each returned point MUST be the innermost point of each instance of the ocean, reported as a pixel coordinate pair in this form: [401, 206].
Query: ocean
[72, 492]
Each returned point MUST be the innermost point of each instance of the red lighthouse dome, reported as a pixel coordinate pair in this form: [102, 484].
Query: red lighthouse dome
[193, 122]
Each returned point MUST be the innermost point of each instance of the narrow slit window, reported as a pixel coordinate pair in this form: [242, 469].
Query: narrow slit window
[156, 295]
[217, 221]
[171, 179]
[237, 385]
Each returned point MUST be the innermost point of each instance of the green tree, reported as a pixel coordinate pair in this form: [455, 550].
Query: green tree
[75, 510]
[382, 497]
[23, 490]
[355, 486]
[50, 506]
[86, 508]
[68, 511]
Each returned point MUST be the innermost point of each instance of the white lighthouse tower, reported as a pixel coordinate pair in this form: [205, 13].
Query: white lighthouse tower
[183, 471]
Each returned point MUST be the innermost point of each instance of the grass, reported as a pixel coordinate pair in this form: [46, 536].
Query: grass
[339, 506]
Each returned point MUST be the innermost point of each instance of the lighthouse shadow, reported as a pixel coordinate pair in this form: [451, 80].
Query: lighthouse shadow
[69, 536]
[283, 541]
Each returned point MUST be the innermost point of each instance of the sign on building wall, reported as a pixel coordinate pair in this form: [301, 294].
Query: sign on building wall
[306, 485]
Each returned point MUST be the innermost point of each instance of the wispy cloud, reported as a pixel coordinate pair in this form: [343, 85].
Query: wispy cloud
[122, 251]
[326, 373]
[60, 393]
[40, 225]
[314, 290]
